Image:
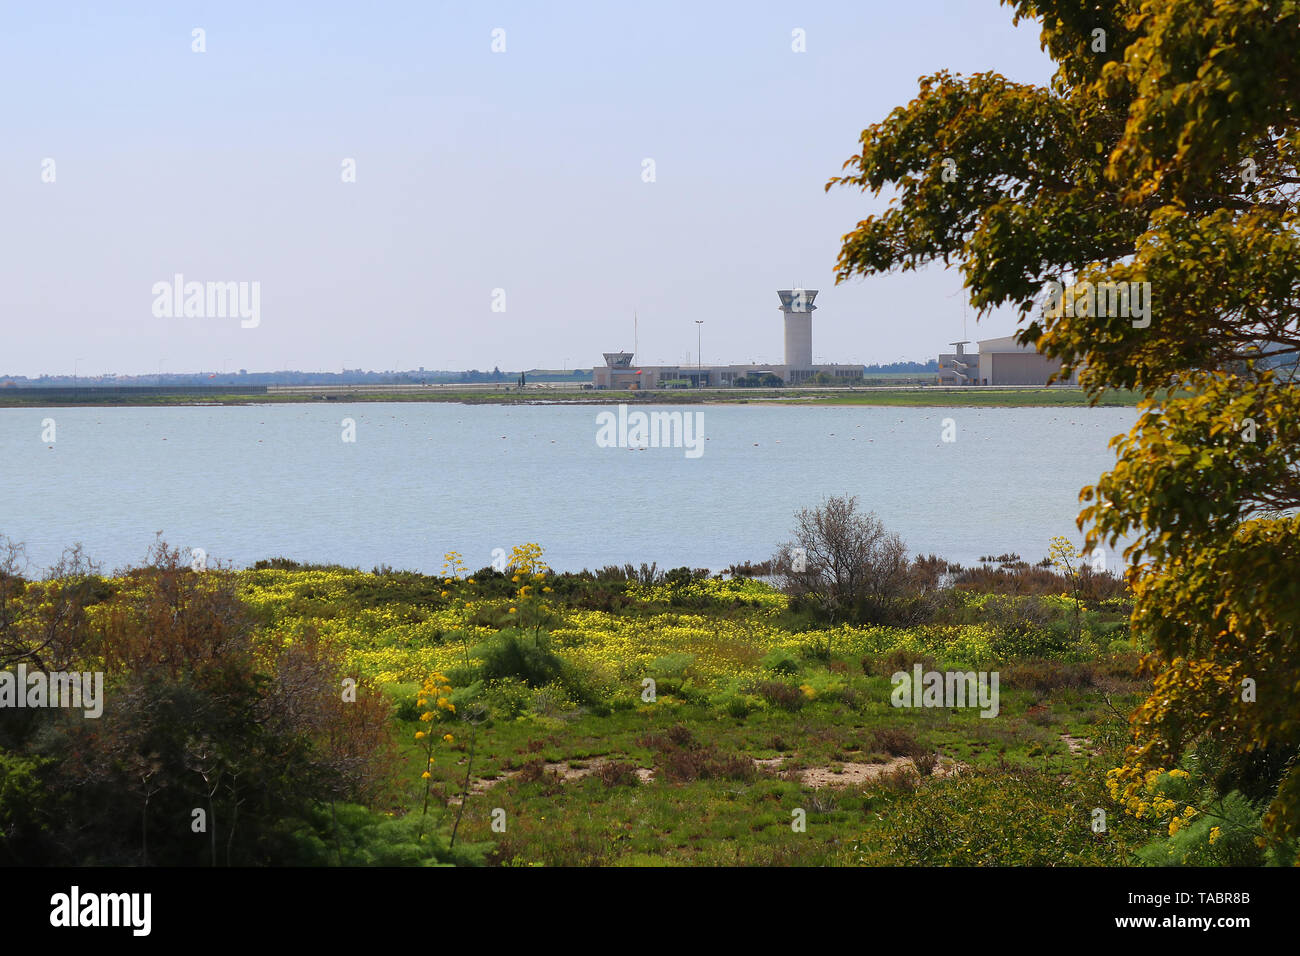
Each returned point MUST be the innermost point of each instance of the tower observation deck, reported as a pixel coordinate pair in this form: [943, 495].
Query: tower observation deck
[797, 306]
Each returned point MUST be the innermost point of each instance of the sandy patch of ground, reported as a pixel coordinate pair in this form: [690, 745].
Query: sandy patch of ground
[1078, 744]
[561, 769]
[857, 774]
[851, 774]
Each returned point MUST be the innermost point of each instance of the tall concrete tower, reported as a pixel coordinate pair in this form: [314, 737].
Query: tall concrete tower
[797, 304]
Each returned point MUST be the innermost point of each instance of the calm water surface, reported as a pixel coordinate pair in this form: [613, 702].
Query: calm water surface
[245, 483]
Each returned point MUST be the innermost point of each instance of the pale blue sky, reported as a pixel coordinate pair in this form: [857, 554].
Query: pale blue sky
[475, 171]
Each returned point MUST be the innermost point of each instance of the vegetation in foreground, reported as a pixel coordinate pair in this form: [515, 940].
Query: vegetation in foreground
[323, 715]
[1162, 160]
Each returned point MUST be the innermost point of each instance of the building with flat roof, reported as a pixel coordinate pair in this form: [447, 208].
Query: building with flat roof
[1000, 361]
[798, 368]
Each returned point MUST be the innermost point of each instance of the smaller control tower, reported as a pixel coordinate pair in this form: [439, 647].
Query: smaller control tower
[797, 304]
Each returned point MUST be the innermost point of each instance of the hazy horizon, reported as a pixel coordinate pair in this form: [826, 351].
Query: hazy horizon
[475, 171]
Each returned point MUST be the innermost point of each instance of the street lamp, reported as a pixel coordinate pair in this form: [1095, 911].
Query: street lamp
[699, 359]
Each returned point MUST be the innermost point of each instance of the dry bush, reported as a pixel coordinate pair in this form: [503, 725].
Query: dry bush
[176, 623]
[618, 773]
[780, 694]
[1046, 676]
[895, 741]
[44, 623]
[1017, 578]
[680, 758]
[925, 761]
[899, 659]
[850, 561]
[902, 779]
[532, 771]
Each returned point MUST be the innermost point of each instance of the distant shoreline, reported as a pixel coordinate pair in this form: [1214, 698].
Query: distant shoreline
[915, 396]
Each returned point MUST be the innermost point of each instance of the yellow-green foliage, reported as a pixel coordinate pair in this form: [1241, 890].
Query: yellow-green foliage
[401, 643]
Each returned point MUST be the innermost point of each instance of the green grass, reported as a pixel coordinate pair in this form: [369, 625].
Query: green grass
[561, 760]
[1012, 765]
[974, 397]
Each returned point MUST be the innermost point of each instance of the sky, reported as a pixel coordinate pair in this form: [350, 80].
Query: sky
[500, 213]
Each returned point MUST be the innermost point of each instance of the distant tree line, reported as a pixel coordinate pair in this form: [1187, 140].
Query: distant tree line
[290, 377]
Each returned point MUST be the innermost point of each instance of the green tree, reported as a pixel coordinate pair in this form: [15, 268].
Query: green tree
[1162, 152]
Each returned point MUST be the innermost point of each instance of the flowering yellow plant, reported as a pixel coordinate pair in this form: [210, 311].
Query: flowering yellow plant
[436, 687]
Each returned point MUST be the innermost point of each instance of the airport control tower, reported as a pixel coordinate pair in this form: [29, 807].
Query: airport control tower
[797, 304]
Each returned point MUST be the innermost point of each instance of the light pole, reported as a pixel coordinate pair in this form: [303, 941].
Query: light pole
[699, 359]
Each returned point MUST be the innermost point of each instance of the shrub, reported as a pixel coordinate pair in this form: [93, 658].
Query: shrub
[551, 700]
[902, 779]
[618, 773]
[681, 758]
[402, 698]
[739, 705]
[1224, 837]
[817, 652]
[509, 698]
[780, 694]
[532, 771]
[206, 713]
[510, 654]
[1017, 817]
[849, 565]
[356, 836]
[899, 659]
[895, 741]
[780, 661]
[678, 577]
[1045, 677]
[671, 671]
